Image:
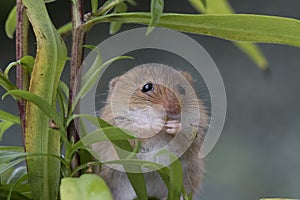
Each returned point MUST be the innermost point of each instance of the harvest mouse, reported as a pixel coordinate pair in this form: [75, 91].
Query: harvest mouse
[159, 106]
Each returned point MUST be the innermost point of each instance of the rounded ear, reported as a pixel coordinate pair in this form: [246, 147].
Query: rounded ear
[187, 76]
[113, 82]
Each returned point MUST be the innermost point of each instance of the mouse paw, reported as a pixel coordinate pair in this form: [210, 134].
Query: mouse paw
[173, 127]
[157, 124]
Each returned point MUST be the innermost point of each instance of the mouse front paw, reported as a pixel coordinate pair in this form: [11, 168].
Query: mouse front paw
[173, 127]
[157, 125]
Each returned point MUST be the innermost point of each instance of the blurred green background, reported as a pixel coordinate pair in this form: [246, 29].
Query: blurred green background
[257, 154]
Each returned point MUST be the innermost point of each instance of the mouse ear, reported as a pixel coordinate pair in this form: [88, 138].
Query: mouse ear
[113, 82]
[187, 76]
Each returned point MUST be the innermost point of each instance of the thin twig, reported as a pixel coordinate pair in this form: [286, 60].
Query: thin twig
[76, 60]
[21, 50]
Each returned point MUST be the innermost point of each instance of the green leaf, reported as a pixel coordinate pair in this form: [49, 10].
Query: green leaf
[223, 7]
[115, 26]
[6, 84]
[5, 176]
[92, 75]
[136, 179]
[94, 6]
[87, 186]
[254, 52]
[212, 6]
[157, 7]
[4, 192]
[12, 148]
[4, 126]
[175, 182]
[131, 2]
[45, 107]
[17, 174]
[5, 116]
[237, 27]
[8, 68]
[10, 165]
[65, 29]
[112, 134]
[204, 3]
[64, 88]
[7, 156]
[11, 23]
[27, 63]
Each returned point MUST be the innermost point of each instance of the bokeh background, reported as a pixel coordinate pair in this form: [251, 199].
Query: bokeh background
[257, 154]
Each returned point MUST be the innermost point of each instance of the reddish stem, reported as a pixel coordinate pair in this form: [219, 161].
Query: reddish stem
[21, 50]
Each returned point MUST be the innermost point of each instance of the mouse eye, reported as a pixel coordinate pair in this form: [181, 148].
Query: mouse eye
[147, 87]
[181, 89]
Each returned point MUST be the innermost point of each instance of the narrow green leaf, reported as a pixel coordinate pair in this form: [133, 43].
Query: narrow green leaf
[18, 173]
[4, 192]
[64, 88]
[45, 107]
[87, 186]
[107, 6]
[237, 27]
[4, 125]
[115, 26]
[5, 176]
[94, 6]
[199, 5]
[89, 81]
[5, 116]
[212, 6]
[65, 29]
[12, 148]
[204, 3]
[131, 2]
[10, 165]
[157, 7]
[11, 22]
[7, 156]
[223, 7]
[112, 134]
[175, 183]
[6, 84]
[8, 68]
[253, 52]
[21, 187]
[96, 64]
[136, 179]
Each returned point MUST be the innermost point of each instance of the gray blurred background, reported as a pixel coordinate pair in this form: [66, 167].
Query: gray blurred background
[257, 154]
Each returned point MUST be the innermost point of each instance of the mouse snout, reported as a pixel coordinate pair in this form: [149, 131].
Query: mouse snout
[171, 105]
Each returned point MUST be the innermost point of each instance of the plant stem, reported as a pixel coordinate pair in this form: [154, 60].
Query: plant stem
[22, 50]
[43, 172]
[76, 60]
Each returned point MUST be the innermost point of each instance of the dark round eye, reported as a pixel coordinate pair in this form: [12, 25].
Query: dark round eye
[147, 87]
[181, 89]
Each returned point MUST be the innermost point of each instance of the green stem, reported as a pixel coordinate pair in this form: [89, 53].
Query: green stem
[44, 172]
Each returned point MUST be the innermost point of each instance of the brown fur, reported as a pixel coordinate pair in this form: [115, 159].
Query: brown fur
[173, 94]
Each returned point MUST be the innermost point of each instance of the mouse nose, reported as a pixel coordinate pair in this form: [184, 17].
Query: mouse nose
[172, 106]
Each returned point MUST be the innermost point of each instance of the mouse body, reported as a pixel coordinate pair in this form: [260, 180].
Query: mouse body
[159, 106]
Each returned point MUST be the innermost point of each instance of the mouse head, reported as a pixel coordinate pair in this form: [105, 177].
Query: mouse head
[154, 85]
